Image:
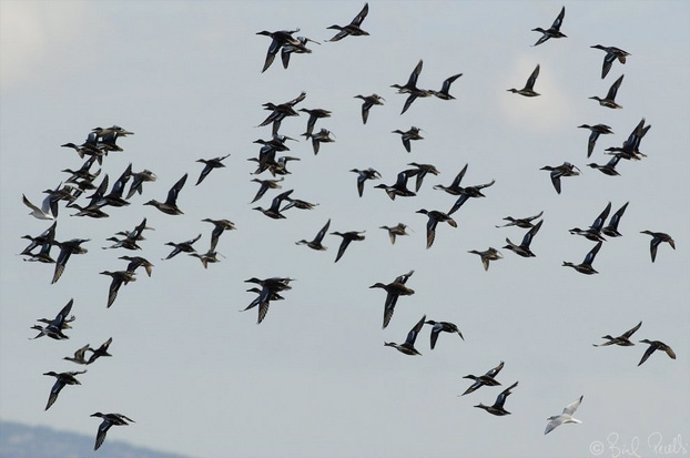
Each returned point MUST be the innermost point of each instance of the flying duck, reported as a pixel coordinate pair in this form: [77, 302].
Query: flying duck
[435, 217]
[610, 100]
[407, 348]
[170, 205]
[523, 249]
[594, 231]
[137, 261]
[622, 340]
[119, 278]
[109, 419]
[564, 170]
[611, 230]
[492, 254]
[407, 136]
[316, 244]
[79, 355]
[612, 53]
[394, 231]
[420, 171]
[67, 249]
[657, 239]
[369, 101]
[364, 175]
[653, 346]
[265, 186]
[274, 210]
[399, 189]
[528, 90]
[210, 164]
[444, 93]
[609, 168]
[347, 238]
[394, 290]
[62, 379]
[100, 351]
[219, 226]
[437, 327]
[595, 131]
[488, 379]
[178, 248]
[138, 180]
[316, 113]
[586, 266]
[497, 408]
[524, 223]
[353, 28]
[553, 31]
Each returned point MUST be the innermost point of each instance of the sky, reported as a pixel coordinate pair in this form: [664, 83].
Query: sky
[314, 379]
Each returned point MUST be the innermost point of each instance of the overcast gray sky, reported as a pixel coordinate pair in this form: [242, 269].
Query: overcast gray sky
[314, 379]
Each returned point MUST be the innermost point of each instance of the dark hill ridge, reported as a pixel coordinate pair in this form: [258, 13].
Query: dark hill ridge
[21, 441]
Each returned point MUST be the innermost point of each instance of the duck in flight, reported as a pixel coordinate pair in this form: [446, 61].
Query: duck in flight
[564, 170]
[593, 233]
[316, 243]
[498, 408]
[407, 348]
[368, 102]
[444, 93]
[528, 90]
[420, 171]
[622, 340]
[62, 379]
[657, 239]
[611, 230]
[119, 278]
[265, 185]
[399, 229]
[109, 419]
[137, 261]
[79, 355]
[524, 223]
[279, 39]
[182, 247]
[610, 100]
[609, 168]
[100, 351]
[67, 249]
[399, 189]
[314, 115]
[435, 217]
[394, 290]
[564, 418]
[58, 324]
[413, 133]
[655, 345]
[595, 131]
[523, 249]
[586, 266]
[488, 379]
[612, 54]
[491, 254]
[170, 205]
[437, 327]
[274, 210]
[364, 175]
[353, 28]
[210, 164]
[348, 237]
[552, 32]
[219, 226]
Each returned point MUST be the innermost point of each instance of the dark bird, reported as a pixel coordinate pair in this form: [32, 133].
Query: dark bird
[219, 226]
[437, 327]
[657, 239]
[394, 290]
[399, 189]
[182, 247]
[407, 348]
[138, 180]
[435, 217]
[298, 203]
[553, 31]
[409, 135]
[114, 198]
[411, 84]
[528, 90]
[394, 231]
[364, 175]
[611, 230]
[444, 93]
[314, 115]
[653, 346]
[631, 146]
[492, 254]
[345, 242]
[210, 164]
[468, 192]
[369, 101]
[295, 47]
[62, 379]
[79, 355]
[280, 112]
[100, 351]
[524, 223]
[67, 249]
[586, 266]
[498, 409]
[454, 189]
[137, 261]
[609, 168]
[119, 278]
[109, 419]
[316, 244]
[612, 53]
[523, 249]
[210, 257]
[45, 240]
[265, 186]
[623, 340]
[322, 136]
[610, 100]
[274, 210]
[353, 28]
[420, 172]
[487, 379]
[595, 131]
[270, 289]
[170, 205]
[593, 233]
[58, 324]
[279, 39]
[564, 170]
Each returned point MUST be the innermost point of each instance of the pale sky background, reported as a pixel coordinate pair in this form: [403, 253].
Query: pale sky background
[314, 379]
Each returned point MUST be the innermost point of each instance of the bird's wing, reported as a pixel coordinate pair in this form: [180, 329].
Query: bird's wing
[435, 331]
[458, 203]
[430, 232]
[102, 430]
[412, 335]
[54, 391]
[614, 88]
[322, 232]
[592, 253]
[361, 15]
[532, 78]
[410, 98]
[412, 81]
[553, 423]
[632, 331]
[389, 308]
[175, 190]
[494, 372]
[559, 20]
[207, 169]
[599, 222]
[606, 66]
[527, 239]
[341, 249]
[647, 354]
[572, 407]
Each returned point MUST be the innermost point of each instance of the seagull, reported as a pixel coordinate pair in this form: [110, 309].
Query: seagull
[41, 213]
[109, 419]
[565, 417]
[407, 348]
